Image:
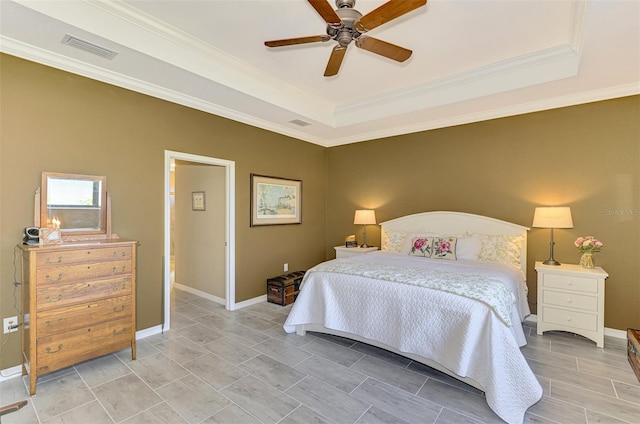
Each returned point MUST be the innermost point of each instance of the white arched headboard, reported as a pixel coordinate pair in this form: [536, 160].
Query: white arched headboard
[456, 223]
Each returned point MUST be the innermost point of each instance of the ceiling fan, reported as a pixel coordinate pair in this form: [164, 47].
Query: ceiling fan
[347, 24]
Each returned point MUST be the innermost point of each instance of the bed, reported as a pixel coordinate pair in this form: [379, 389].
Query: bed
[459, 310]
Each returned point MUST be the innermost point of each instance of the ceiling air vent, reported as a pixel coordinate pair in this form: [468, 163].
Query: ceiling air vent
[88, 47]
[299, 123]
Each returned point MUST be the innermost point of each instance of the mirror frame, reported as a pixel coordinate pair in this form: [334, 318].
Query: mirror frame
[85, 233]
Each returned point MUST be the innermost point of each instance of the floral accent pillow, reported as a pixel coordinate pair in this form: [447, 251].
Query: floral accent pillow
[501, 248]
[408, 242]
[444, 248]
[393, 241]
[421, 246]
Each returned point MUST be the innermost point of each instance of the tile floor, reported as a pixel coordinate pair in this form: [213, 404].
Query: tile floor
[216, 366]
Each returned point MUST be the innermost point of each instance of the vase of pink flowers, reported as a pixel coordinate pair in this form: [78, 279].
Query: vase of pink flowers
[588, 246]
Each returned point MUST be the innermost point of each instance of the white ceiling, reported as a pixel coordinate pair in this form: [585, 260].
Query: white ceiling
[472, 59]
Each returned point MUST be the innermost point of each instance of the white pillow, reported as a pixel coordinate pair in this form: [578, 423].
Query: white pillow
[469, 248]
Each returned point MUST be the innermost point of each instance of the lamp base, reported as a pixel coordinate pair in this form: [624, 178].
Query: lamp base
[551, 262]
[364, 246]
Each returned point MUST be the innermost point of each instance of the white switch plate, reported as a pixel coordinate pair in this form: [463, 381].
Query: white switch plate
[286, 267]
[8, 322]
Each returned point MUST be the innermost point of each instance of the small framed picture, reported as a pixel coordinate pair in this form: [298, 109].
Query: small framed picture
[198, 201]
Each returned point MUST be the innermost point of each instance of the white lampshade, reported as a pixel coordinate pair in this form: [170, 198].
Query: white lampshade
[552, 217]
[365, 217]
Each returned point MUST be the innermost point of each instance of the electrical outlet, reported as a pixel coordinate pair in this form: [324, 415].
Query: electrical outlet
[286, 267]
[8, 323]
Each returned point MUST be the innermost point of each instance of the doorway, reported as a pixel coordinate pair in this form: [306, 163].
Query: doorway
[228, 199]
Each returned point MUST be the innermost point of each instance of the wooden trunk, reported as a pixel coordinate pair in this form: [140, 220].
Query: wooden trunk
[284, 289]
[633, 347]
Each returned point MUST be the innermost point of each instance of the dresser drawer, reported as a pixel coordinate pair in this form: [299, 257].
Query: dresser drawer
[572, 300]
[582, 284]
[69, 318]
[56, 296]
[576, 320]
[86, 271]
[61, 257]
[62, 350]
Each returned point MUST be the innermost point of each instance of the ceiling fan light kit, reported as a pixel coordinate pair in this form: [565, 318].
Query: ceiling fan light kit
[345, 24]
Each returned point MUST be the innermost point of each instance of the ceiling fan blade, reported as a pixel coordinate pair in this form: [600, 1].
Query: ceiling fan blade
[383, 48]
[325, 10]
[335, 60]
[299, 40]
[388, 11]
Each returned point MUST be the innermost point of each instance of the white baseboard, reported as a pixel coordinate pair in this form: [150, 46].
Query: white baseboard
[611, 332]
[151, 331]
[250, 302]
[12, 372]
[200, 293]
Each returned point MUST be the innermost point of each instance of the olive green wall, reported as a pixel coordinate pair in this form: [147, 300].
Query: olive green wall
[586, 157]
[56, 121]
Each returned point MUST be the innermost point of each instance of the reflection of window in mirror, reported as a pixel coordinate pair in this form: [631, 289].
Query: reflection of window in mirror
[77, 202]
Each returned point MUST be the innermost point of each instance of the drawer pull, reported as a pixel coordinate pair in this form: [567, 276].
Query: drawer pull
[569, 301]
[55, 324]
[48, 349]
[117, 271]
[568, 319]
[117, 287]
[122, 255]
[121, 332]
[48, 277]
[49, 300]
[57, 261]
[119, 308]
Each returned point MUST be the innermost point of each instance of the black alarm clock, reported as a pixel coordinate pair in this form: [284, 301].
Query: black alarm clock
[31, 235]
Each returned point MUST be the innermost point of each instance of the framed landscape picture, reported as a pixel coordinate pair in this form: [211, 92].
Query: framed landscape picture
[275, 201]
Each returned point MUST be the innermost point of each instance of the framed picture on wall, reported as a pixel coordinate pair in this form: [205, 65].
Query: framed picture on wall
[275, 201]
[198, 201]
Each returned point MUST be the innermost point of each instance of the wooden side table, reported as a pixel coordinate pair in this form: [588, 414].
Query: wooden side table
[571, 298]
[347, 252]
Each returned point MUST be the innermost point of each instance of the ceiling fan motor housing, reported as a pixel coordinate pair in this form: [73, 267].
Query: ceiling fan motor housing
[346, 31]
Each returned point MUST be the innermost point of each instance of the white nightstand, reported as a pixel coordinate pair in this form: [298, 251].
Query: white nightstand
[347, 252]
[571, 298]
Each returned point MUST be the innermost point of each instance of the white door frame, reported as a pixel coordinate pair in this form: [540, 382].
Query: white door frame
[230, 228]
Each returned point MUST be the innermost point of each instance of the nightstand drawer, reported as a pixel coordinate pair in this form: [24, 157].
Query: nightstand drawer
[588, 303]
[556, 281]
[570, 319]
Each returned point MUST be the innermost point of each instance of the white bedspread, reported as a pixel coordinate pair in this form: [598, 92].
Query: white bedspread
[462, 334]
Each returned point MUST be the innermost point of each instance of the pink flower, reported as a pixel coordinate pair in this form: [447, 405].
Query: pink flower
[419, 243]
[588, 244]
[443, 246]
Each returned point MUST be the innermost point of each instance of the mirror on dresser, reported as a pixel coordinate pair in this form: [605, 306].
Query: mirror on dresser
[79, 204]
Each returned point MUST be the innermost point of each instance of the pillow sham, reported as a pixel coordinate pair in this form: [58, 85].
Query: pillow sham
[501, 248]
[421, 246]
[444, 248]
[393, 241]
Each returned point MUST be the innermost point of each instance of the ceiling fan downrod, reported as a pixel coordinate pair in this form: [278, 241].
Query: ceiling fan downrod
[346, 32]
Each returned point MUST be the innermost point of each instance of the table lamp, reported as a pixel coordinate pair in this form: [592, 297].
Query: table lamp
[552, 217]
[365, 217]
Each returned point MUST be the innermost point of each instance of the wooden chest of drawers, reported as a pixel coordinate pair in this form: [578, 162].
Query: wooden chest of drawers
[571, 298]
[78, 301]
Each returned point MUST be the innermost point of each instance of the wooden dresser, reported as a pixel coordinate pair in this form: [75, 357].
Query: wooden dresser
[78, 300]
